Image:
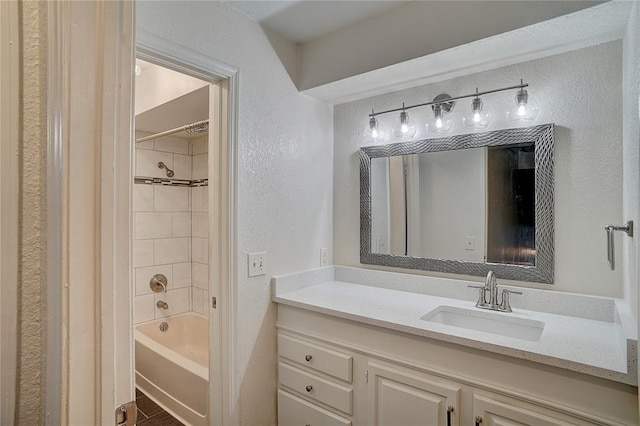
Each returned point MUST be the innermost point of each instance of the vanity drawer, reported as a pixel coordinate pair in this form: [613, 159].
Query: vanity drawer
[294, 411]
[322, 390]
[319, 358]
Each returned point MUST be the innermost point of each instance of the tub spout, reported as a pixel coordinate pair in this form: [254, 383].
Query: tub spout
[162, 305]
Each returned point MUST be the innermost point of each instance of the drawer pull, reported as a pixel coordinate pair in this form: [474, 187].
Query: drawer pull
[478, 420]
[308, 358]
[449, 411]
[309, 388]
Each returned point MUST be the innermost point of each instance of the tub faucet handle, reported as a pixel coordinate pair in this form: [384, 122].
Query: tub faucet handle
[158, 283]
[162, 305]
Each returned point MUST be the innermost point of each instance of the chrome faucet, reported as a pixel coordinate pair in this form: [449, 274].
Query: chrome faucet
[162, 305]
[491, 287]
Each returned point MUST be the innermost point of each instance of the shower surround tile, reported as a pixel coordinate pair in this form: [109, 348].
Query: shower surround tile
[171, 250]
[182, 275]
[152, 225]
[181, 224]
[170, 199]
[200, 166]
[142, 198]
[142, 253]
[182, 166]
[200, 276]
[147, 163]
[143, 306]
[171, 144]
[171, 228]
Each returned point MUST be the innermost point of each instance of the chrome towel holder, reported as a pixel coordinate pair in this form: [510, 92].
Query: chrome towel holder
[628, 228]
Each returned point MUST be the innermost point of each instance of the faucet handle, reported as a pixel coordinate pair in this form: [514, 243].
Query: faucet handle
[505, 306]
[481, 300]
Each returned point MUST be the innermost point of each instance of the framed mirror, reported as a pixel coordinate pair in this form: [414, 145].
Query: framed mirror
[463, 204]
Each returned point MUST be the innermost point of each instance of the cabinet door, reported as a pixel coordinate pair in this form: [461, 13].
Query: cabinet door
[489, 412]
[397, 396]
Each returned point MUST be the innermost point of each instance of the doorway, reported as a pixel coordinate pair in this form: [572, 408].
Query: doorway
[171, 245]
[211, 204]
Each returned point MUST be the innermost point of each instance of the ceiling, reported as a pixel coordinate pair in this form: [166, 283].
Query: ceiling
[304, 20]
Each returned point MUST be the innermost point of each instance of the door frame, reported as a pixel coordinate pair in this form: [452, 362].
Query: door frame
[89, 369]
[223, 322]
[9, 188]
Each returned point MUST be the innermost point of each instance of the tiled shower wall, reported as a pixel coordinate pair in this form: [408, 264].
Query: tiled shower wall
[171, 228]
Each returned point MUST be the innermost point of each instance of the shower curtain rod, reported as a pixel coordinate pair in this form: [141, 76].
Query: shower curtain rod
[191, 129]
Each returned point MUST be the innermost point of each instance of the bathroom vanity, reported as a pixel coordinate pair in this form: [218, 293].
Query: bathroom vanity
[363, 347]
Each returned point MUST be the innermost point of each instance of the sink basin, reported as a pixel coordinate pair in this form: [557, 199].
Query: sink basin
[488, 322]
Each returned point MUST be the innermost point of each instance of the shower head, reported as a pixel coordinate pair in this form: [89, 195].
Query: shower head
[170, 172]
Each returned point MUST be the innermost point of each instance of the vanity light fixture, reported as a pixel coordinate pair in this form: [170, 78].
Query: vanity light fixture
[375, 131]
[525, 110]
[405, 128]
[441, 106]
[478, 117]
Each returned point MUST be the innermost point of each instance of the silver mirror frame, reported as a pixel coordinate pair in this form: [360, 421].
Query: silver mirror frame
[542, 136]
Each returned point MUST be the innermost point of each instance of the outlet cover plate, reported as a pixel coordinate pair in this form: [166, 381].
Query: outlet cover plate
[257, 264]
[324, 256]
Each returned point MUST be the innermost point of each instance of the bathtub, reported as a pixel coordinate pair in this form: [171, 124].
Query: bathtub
[172, 367]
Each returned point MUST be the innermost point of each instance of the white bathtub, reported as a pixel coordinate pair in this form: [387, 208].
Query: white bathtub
[172, 367]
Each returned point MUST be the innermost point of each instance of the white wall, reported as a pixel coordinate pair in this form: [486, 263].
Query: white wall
[157, 85]
[452, 205]
[581, 92]
[416, 29]
[285, 192]
[631, 155]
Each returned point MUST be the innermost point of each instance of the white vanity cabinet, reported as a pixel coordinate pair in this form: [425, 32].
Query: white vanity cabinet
[334, 371]
[491, 412]
[314, 383]
[401, 396]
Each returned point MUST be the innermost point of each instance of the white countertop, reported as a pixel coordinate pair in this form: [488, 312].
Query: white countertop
[589, 346]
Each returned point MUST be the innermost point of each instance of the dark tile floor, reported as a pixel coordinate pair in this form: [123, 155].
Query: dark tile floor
[151, 414]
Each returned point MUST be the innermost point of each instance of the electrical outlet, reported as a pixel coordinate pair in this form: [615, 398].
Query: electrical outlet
[470, 243]
[257, 264]
[324, 256]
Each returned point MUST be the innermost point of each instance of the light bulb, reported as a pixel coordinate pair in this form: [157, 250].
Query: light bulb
[521, 110]
[478, 117]
[525, 109]
[405, 128]
[374, 131]
[440, 123]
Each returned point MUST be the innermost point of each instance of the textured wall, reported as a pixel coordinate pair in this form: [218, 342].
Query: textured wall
[631, 153]
[581, 92]
[285, 196]
[32, 233]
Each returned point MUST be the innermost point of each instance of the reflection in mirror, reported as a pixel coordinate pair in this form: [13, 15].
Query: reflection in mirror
[439, 204]
[463, 204]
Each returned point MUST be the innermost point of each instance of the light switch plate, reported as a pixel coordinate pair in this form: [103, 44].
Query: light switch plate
[257, 264]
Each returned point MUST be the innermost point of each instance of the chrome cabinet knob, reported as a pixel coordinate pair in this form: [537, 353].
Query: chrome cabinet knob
[308, 358]
[309, 388]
